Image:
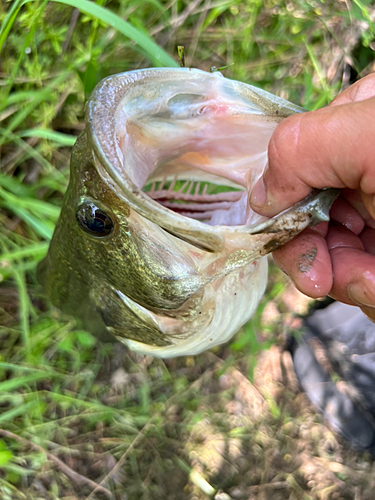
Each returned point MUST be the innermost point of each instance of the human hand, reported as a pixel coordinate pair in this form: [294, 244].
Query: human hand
[330, 147]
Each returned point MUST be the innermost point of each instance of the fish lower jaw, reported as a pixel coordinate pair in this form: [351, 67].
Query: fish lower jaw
[236, 300]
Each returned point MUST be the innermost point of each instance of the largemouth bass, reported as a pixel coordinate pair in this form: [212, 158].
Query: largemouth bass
[156, 245]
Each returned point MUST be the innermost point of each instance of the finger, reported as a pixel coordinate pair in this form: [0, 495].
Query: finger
[359, 91]
[369, 201]
[369, 312]
[307, 262]
[346, 215]
[339, 236]
[367, 238]
[331, 147]
[355, 199]
[353, 269]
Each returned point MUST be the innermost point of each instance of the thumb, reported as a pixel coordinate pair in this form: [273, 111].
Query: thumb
[331, 147]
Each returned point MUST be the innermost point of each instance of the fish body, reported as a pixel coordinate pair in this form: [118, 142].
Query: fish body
[156, 245]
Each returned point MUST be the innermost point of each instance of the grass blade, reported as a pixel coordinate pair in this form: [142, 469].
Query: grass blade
[19, 410]
[37, 251]
[9, 20]
[157, 55]
[42, 229]
[41, 374]
[51, 135]
[16, 382]
[24, 310]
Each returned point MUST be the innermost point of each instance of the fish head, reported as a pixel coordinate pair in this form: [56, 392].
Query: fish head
[157, 245]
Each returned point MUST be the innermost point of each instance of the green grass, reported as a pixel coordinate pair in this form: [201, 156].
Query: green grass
[61, 392]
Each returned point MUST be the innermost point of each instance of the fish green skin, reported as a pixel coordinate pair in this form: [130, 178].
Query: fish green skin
[157, 278]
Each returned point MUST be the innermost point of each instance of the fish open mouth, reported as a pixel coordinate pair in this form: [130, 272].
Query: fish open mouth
[199, 200]
[195, 148]
[183, 148]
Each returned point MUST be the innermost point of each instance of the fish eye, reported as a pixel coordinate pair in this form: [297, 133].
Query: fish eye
[94, 220]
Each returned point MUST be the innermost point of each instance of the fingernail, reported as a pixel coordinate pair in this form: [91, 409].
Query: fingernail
[357, 294]
[258, 195]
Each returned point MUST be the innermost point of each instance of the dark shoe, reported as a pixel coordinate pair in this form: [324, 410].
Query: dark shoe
[335, 364]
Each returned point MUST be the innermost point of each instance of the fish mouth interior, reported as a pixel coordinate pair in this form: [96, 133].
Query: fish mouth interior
[196, 148]
[208, 202]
